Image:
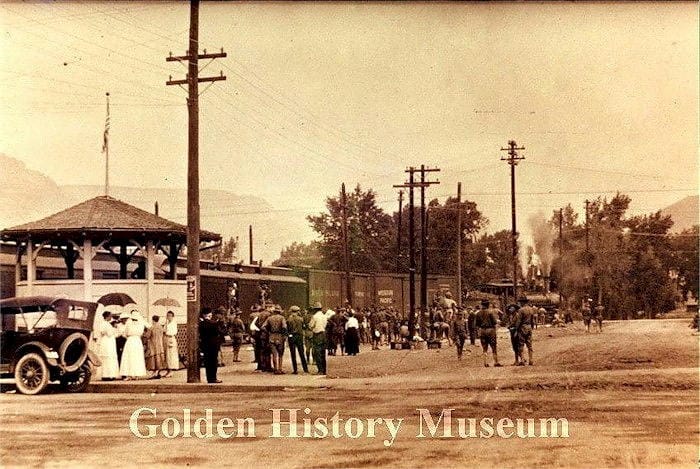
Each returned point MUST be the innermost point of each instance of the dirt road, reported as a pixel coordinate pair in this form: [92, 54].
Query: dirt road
[629, 395]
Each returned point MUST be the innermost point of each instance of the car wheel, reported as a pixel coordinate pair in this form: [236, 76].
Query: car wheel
[31, 374]
[77, 381]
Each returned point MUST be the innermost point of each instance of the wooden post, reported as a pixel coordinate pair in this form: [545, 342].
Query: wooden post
[87, 269]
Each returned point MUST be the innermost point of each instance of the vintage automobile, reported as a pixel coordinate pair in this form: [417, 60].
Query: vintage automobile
[46, 339]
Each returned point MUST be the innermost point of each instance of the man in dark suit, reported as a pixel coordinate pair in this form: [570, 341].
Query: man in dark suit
[210, 341]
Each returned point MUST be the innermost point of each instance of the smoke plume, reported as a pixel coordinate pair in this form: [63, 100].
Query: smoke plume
[543, 237]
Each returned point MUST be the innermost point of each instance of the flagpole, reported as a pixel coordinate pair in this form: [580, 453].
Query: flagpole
[105, 148]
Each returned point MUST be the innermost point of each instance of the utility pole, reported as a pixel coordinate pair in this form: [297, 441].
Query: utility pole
[398, 236]
[411, 254]
[411, 185]
[250, 244]
[561, 254]
[587, 231]
[512, 160]
[424, 241]
[193, 279]
[459, 244]
[346, 247]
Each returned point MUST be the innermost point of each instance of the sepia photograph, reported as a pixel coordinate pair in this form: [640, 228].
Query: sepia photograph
[349, 234]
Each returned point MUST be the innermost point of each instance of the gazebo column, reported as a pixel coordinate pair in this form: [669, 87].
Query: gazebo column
[88, 254]
[123, 261]
[30, 266]
[150, 275]
[70, 261]
[173, 252]
[18, 263]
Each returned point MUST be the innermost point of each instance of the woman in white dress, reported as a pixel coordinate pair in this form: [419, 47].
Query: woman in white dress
[107, 347]
[133, 364]
[172, 357]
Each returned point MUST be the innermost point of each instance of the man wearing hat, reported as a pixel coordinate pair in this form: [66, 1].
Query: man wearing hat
[460, 332]
[486, 322]
[236, 328]
[295, 325]
[317, 324]
[209, 344]
[276, 327]
[524, 323]
[511, 313]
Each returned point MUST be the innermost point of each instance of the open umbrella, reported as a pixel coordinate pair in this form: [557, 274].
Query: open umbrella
[115, 299]
[167, 302]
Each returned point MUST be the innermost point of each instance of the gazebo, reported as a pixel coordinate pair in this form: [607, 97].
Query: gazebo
[103, 224]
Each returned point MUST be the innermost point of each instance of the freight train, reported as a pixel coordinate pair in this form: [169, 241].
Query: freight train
[222, 282]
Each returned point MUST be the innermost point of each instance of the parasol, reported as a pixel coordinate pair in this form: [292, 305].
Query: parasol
[115, 299]
[168, 302]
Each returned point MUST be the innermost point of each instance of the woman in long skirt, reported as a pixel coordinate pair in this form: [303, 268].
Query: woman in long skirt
[172, 357]
[107, 347]
[352, 335]
[155, 352]
[133, 364]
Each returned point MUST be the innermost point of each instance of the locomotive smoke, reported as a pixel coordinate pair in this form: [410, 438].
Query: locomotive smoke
[543, 237]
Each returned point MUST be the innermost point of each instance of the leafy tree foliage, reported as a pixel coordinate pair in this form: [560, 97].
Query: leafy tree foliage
[370, 232]
[301, 254]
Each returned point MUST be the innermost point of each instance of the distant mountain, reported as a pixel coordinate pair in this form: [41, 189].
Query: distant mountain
[27, 195]
[684, 213]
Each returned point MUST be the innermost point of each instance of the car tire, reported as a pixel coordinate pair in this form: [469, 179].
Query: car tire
[78, 380]
[69, 343]
[31, 374]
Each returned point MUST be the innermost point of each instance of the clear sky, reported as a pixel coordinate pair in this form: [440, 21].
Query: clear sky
[604, 96]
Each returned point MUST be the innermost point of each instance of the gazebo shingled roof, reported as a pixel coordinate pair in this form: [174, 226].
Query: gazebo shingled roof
[103, 214]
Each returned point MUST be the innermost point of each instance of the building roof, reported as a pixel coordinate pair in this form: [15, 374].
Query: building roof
[246, 276]
[104, 215]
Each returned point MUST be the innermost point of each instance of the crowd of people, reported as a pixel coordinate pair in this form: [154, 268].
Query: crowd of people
[131, 348]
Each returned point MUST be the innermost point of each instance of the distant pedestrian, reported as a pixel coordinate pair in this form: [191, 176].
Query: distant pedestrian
[295, 326]
[107, 347]
[155, 349]
[317, 324]
[524, 324]
[587, 315]
[210, 343]
[276, 327]
[599, 310]
[133, 365]
[460, 332]
[487, 322]
[236, 329]
[471, 323]
[352, 335]
[172, 355]
[511, 312]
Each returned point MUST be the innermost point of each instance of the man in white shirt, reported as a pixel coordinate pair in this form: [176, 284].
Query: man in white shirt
[317, 324]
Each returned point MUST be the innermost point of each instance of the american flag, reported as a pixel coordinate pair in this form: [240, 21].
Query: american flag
[105, 136]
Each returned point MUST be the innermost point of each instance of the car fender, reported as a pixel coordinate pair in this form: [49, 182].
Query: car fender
[48, 353]
[94, 358]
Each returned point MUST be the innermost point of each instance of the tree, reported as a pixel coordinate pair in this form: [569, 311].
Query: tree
[443, 231]
[684, 260]
[627, 264]
[370, 233]
[301, 254]
[487, 259]
[226, 252]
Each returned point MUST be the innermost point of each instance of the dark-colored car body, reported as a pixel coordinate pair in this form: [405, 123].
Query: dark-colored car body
[44, 339]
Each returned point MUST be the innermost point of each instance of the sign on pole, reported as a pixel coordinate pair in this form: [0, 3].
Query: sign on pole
[191, 288]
